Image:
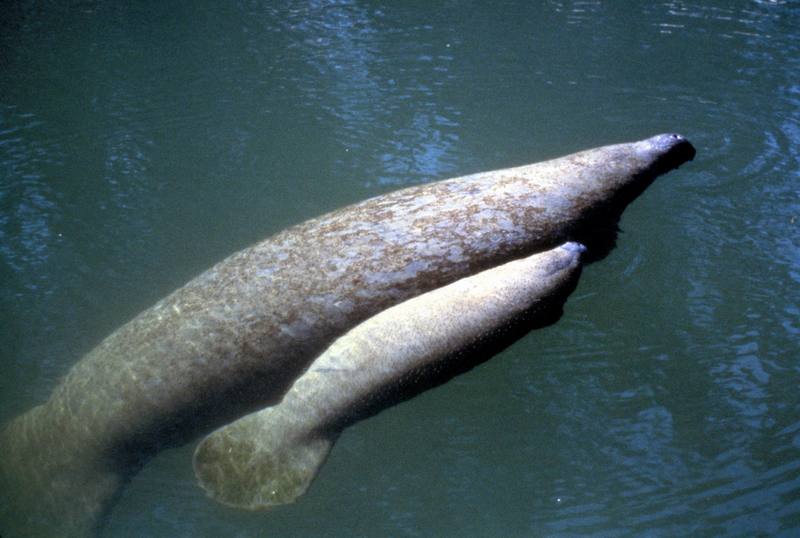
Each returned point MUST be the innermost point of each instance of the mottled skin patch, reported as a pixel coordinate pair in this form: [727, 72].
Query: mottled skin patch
[233, 339]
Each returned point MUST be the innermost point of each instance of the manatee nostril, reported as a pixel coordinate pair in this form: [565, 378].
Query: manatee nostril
[681, 147]
[574, 246]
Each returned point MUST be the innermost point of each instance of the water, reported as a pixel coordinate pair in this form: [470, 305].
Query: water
[140, 144]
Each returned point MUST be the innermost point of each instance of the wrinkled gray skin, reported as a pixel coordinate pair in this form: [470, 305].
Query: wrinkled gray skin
[271, 456]
[233, 340]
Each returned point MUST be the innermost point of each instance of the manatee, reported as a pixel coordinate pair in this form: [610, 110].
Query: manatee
[269, 457]
[234, 339]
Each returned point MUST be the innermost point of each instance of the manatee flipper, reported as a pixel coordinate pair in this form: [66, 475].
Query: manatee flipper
[256, 462]
[270, 457]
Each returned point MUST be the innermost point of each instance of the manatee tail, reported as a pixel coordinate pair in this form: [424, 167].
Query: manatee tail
[50, 484]
[260, 461]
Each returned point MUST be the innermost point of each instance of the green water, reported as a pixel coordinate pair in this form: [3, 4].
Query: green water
[141, 144]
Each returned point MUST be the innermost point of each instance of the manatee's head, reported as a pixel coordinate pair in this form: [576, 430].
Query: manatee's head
[624, 171]
[664, 152]
[618, 175]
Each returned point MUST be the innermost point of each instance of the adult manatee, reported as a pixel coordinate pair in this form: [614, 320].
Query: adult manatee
[234, 339]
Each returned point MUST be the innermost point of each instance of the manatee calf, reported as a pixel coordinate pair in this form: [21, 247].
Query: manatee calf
[270, 457]
[235, 338]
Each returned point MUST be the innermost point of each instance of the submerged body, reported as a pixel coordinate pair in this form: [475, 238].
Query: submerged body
[270, 457]
[233, 340]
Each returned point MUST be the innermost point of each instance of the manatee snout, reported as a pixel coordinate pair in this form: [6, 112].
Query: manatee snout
[674, 148]
[574, 246]
[571, 254]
